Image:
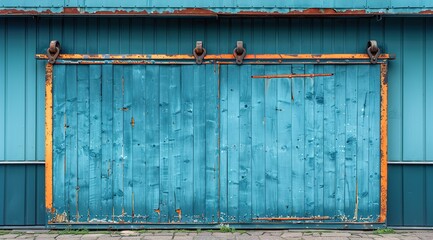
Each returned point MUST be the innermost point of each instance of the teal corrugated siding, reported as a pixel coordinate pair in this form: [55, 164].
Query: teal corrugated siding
[22, 195]
[410, 77]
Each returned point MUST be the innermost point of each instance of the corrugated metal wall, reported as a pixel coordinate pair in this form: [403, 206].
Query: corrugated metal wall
[410, 75]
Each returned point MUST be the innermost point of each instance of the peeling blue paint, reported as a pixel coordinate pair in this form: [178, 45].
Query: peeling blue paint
[217, 7]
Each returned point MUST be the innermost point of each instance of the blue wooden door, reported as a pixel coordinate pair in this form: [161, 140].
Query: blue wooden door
[209, 143]
[135, 144]
[300, 148]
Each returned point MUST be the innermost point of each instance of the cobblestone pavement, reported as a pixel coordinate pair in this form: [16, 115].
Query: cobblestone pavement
[213, 235]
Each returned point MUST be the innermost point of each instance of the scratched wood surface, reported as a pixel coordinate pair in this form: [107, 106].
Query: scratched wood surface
[207, 144]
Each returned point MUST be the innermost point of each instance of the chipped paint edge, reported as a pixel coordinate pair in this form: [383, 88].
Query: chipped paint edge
[383, 141]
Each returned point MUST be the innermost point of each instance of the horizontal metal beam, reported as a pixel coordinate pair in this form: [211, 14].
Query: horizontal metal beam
[410, 163]
[22, 163]
[214, 57]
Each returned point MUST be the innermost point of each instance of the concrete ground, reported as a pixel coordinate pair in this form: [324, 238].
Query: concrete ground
[388, 234]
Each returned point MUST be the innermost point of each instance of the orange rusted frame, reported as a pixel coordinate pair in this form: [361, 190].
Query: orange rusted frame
[383, 141]
[292, 218]
[49, 137]
[294, 75]
[211, 57]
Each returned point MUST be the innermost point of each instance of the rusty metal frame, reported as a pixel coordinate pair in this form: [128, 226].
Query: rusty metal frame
[383, 103]
[208, 57]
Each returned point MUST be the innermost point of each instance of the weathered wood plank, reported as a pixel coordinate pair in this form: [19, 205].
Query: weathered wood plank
[83, 142]
[284, 122]
[271, 141]
[310, 186]
[118, 157]
[199, 143]
[174, 141]
[187, 137]
[258, 143]
[298, 142]
[152, 146]
[363, 145]
[128, 163]
[329, 147]
[71, 142]
[212, 137]
[106, 143]
[318, 141]
[374, 141]
[59, 144]
[245, 147]
[233, 142]
[164, 126]
[95, 151]
[340, 142]
[223, 111]
[138, 143]
[350, 194]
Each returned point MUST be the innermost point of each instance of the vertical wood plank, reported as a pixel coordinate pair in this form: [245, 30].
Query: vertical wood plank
[30, 194]
[374, 141]
[71, 142]
[309, 114]
[271, 141]
[223, 108]
[212, 137]
[95, 151]
[152, 154]
[164, 142]
[233, 142]
[258, 143]
[245, 147]
[59, 146]
[187, 96]
[329, 144]
[118, 157]
[350, 190]
[83, 141]
[199, 143]
[362, 158]
[139, 115]
[319, 153]
[284, 122]
[298, 142]
[107, 156]
[174, 141]
[340, 128]
[128, 157]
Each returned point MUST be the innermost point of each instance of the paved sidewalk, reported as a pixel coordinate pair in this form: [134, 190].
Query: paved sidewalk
[213, 235]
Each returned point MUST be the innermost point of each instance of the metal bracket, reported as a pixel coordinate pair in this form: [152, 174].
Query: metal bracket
[239, 52]
[373, 51]
[199, 52]
[53, 51]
